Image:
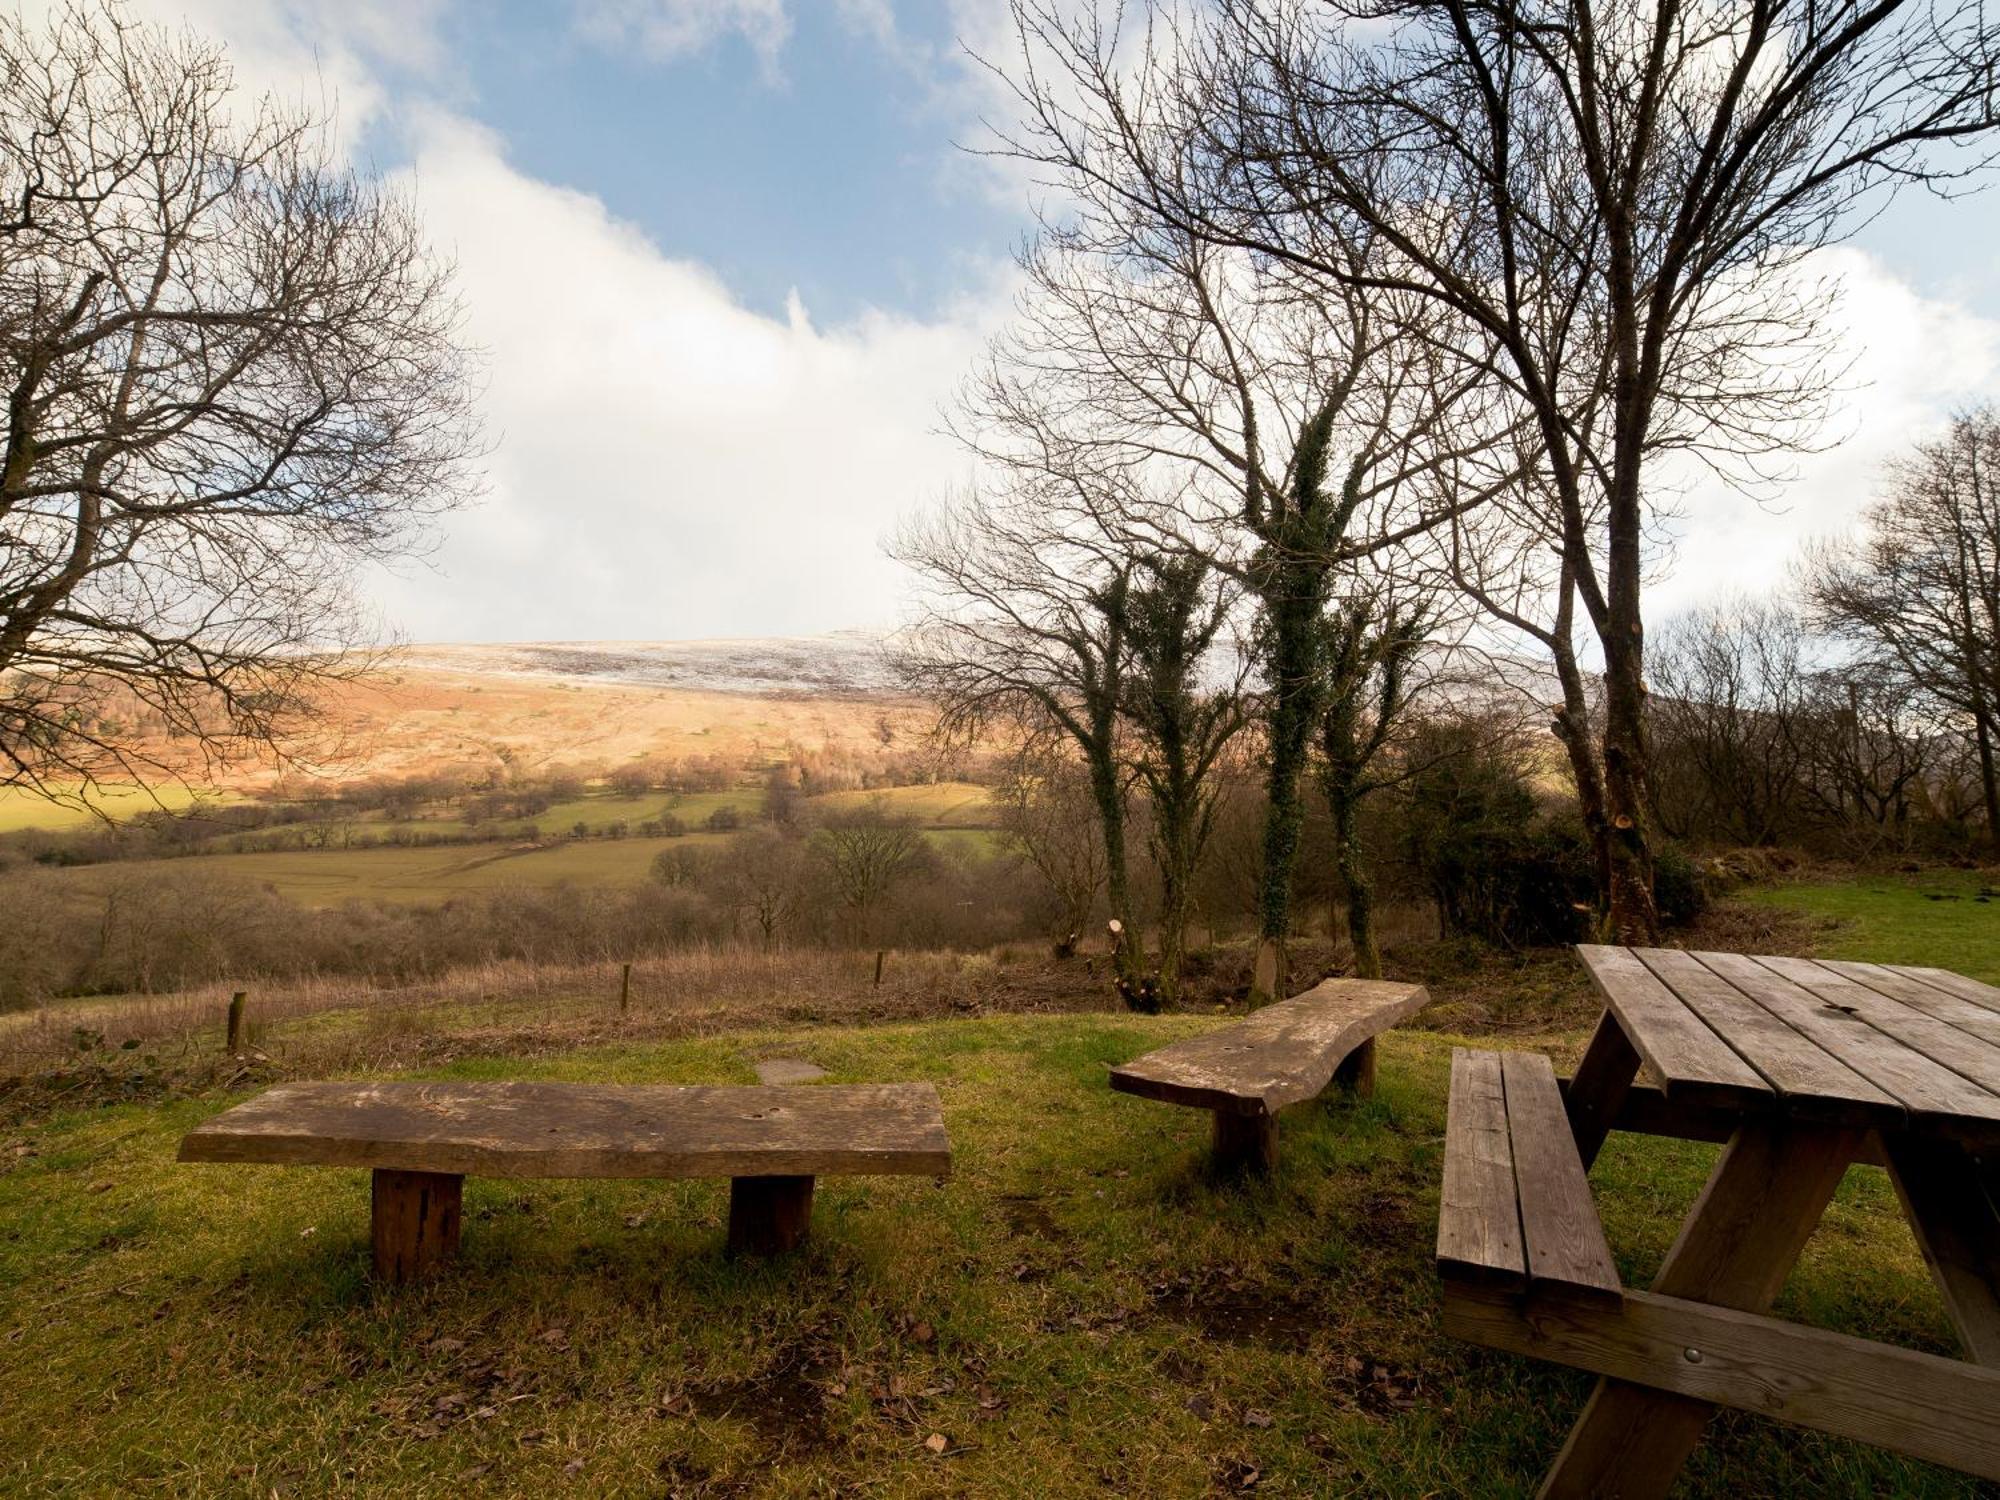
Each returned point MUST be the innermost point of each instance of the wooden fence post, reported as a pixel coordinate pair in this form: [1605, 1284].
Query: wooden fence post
[625, 990]
[235, 1043]
[880, 954]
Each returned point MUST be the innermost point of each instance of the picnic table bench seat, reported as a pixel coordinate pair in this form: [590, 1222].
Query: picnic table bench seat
[421, 1140]
[1279, 1055]
[1515, 1211]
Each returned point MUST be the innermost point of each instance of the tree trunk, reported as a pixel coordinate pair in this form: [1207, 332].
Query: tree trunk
[1632, 918]
[1353, 872]
[1989, 778]
[1117, 879]
[1572, 727]
[1290, 728]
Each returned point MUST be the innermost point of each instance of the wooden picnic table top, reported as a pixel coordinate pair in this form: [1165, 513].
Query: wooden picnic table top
[1822, 1041]
[516, 1129]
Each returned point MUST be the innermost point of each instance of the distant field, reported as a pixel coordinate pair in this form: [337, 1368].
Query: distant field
[948, 804]
[1938, 917]
[22, 809]
[327, 877]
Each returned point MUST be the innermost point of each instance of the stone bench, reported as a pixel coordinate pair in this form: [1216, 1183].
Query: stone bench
[1280, 1055]
[421, 1140]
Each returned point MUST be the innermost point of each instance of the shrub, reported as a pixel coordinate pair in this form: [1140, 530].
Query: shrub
[1680, 891]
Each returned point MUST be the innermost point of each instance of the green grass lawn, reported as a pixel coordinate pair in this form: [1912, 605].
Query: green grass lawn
[1938, 917]
[1080, 1309]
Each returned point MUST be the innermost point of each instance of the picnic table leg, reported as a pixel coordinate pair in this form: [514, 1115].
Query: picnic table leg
[768, 1215]
[1957, 1225]
[1357, 1069]
[1245, 1143]
[1609, 1065]
[414, 1222]
[1740, 1241]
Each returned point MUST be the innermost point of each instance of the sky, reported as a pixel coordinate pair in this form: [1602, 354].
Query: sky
[727, 262]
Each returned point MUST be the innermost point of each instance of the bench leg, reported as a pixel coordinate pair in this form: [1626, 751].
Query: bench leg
[1245, 1143]
[1357, 1070]
[768, 1214]
[415, 1218]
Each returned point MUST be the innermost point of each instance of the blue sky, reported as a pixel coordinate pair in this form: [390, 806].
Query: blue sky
[728, 265]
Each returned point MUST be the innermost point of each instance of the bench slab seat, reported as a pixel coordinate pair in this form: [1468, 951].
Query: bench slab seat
[422, 1139]
[1280, 1055]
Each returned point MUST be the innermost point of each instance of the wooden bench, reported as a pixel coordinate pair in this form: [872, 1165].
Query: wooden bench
[1280, 1055]
[423, 1139]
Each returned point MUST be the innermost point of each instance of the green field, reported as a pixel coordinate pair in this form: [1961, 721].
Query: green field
[1938, 917]
[327, 877]
[1080, 1309]
[21, 809]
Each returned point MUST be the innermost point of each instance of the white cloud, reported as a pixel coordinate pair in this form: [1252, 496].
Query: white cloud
[1913, 361]
[669, 463]
[670, 29]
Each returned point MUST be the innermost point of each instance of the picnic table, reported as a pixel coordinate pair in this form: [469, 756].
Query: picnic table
[1803, 1067]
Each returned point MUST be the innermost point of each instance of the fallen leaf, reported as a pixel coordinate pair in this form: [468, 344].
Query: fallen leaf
[309, 1231]
[635, 1221]
[102, 1187]
[574, 1466]
[923, 1333]
[1256, 1418]
[937, 1442]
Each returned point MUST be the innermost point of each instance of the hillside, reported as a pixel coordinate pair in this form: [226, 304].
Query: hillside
[531, 705]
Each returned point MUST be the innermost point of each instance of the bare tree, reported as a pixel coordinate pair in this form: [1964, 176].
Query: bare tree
[1918, 593]
[231, 373]
[1732, 689]
[1373, 641]
[866, 852]
[1021, 621]
[1276, 429]
[1611, 199]
[1048, 814]
[1181, 722]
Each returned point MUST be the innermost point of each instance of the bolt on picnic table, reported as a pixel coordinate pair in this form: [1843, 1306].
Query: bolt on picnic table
[1803, 1067]
[423, 1139]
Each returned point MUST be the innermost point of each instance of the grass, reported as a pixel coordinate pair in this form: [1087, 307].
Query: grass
[22, 809]
[1079, 1309]
[1938, 917]
[327, 877]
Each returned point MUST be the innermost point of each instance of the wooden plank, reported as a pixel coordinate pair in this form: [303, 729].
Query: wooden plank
[1929, 1407]
[1479, 1218]
[1738, 1244]
[1560, 1230]
[1596, 1095]
[1936, 1098]
[1920, 995]
[1811, 1084]
[1686, 1058]
[1957, 1226]
[1647, 1111]
[585, 1130]
[1972, 1059]
[1276, 1056]
[1955, 984]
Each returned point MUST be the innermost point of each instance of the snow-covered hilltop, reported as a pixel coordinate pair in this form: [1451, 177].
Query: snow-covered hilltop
[842, 663]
